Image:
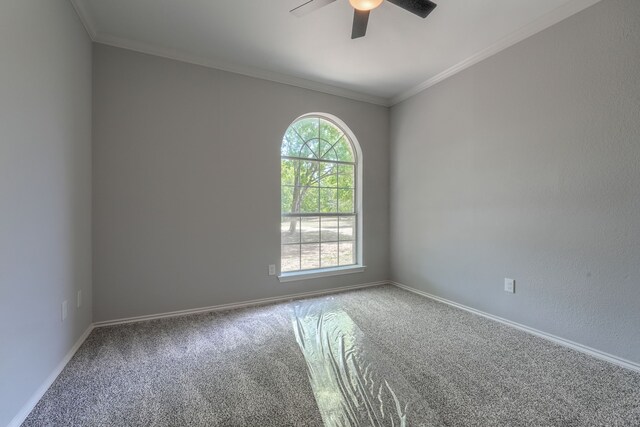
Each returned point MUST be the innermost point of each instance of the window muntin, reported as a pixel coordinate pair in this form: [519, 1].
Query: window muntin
[319, 219]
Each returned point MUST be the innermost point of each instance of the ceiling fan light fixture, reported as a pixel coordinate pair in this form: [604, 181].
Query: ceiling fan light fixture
[365, 4]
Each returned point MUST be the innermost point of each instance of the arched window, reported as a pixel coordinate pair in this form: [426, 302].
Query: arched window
[320, 196]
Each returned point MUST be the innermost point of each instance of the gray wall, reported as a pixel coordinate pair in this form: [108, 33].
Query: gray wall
[527, 166]
[45, 192]
[186, 184]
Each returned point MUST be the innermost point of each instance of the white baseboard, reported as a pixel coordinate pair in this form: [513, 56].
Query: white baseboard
[558, 340]
[232, 306]
[33, 401]
[28, 407]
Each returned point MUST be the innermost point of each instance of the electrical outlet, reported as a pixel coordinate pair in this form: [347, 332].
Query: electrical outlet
[272, 269]
[64, 310]
[510, 286]
[79, 298]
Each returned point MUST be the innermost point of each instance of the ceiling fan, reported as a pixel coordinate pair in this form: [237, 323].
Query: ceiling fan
[362, 8]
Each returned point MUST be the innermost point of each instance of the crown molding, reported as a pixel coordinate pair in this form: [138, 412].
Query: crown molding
[542, 23]
[85, 18]
[107, 39]
[177, 55]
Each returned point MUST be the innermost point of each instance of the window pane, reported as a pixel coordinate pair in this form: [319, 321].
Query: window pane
[289, 258]
[328, 255]
[347, 228]
[310, 256]
[347, 253]
[310, 229]
[346, 176]
[287, 171]
[314, 146]
[286, 198]
[329, 229]
[309, 200]
[329, 132]
[306, 152]
[322, 147]
[343, 149]
[345, 201]
[328, 200]
[291, 143]
[290, 230]
[328, 174]
[308, 128]
[309, 173]
[326, 151]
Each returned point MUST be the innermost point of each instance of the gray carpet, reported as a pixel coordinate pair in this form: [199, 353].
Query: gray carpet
[377, 356]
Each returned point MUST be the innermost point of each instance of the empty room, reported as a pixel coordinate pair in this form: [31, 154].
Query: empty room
[319, 213]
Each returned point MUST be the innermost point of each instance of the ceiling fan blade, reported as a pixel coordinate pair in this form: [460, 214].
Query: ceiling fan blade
[422, 8]
[360, 21]
[309, 6]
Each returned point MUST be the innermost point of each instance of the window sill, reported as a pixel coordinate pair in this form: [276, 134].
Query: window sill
[325, 272]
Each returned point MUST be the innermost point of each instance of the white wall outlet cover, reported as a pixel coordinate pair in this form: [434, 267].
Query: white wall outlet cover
[272, 269]
[510, 286]
[64, 309]
[79, 298]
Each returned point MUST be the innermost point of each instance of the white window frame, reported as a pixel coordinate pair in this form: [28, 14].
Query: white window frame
[359, 266]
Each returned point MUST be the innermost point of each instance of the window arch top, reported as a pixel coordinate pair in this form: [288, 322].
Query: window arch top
[319, 139]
